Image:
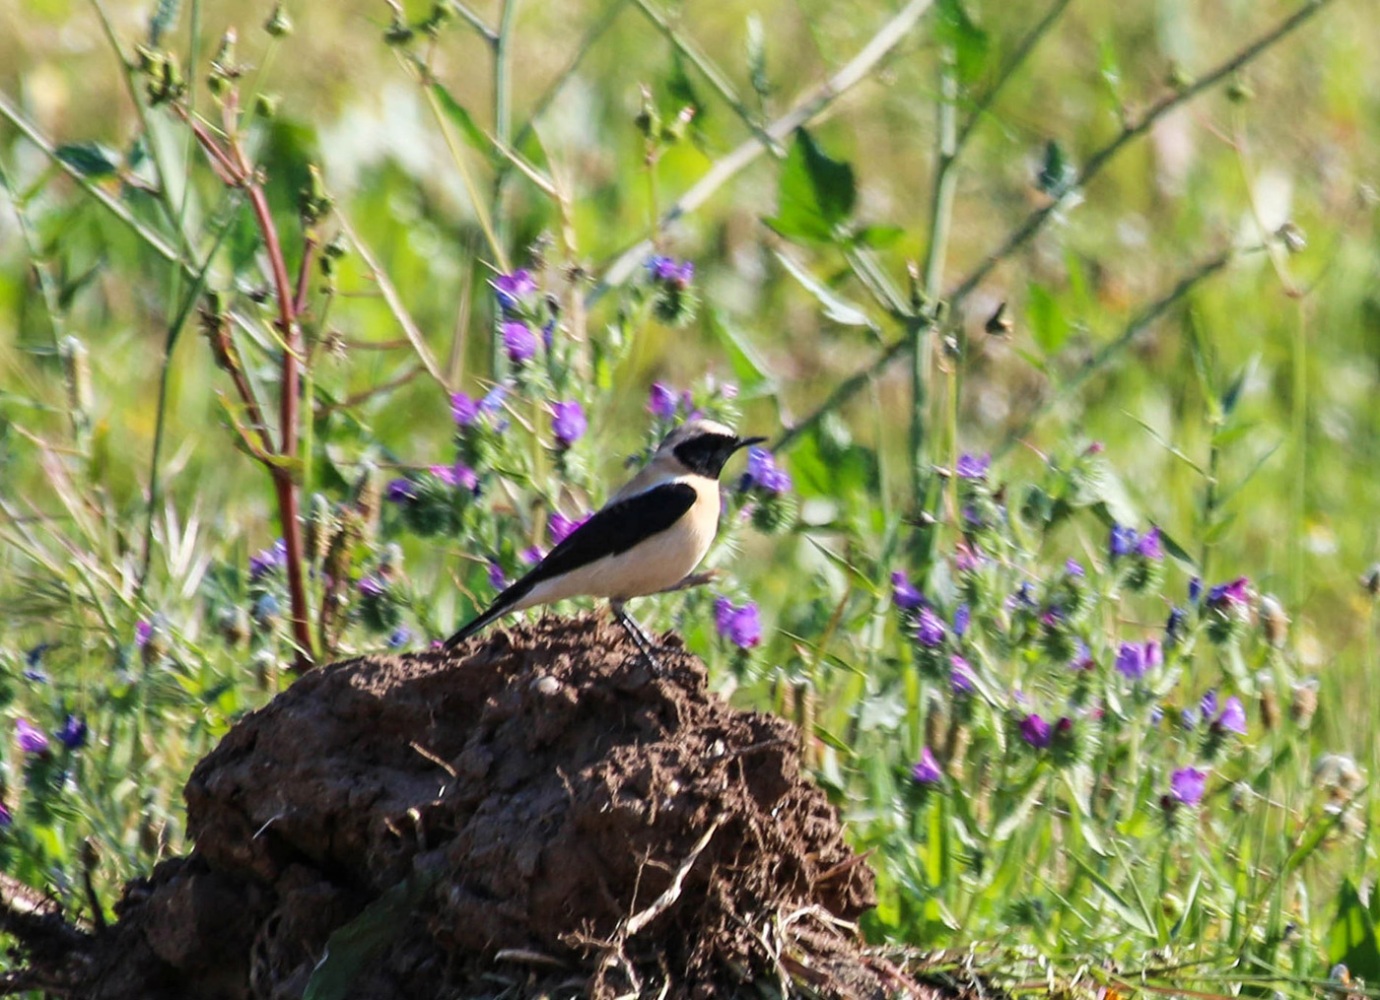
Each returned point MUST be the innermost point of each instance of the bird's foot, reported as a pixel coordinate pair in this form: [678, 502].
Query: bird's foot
[645, 644]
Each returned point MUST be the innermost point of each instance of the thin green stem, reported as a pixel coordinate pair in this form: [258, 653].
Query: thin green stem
[153, 240]
[1113, 348]
[165, 368]
[1036, 220]
[474, 21]
[1018, 57]
[730, 165]
[481, 212]
[711, 73]
[941, 215]
[171, 213]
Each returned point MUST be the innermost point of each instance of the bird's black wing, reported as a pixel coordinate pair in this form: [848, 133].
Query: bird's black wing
[611, 530]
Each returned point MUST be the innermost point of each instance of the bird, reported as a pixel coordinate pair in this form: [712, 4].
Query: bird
[647, 538]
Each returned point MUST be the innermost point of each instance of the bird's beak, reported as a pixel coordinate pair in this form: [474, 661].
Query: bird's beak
[747, 442]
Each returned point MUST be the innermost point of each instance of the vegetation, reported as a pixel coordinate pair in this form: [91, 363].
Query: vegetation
[317, 323]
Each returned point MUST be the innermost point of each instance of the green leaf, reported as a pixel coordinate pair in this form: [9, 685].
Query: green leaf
[971, 45]
[354, 946]
[1132, 915]
[749, 367]
[815, 194]
[460, 118]
[1351, 940]
[1047, 322]
[90, 159]
[878, 237]
[836, 308]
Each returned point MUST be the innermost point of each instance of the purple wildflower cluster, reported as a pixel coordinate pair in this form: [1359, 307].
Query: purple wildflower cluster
[1135, 660]
[559, 527]
[764, 475]
[522, 314]
[673, 290]
[265, 561]
[740, 624]
[32, 740]
[568, 422]
[669, 271]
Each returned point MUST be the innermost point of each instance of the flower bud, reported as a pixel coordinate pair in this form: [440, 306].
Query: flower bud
[1274, 623]
[1304, 702]
[278, 24]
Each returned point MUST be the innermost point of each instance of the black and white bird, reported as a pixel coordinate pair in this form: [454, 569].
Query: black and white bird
[648, 538]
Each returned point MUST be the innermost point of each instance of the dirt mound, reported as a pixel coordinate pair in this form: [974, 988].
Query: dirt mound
[538, 813]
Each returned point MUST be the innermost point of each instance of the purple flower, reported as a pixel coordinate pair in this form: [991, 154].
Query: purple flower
[764, 473]
[929, 629]
[371, 586]
[927, 770]
[531, 555]
[1082, 656]
[464, 408]
[1156, 715]
[568, 422]
[1187, 785]
[143, 630]
[972, 466]
[1130, 661]
[400, 637]
[30, 738]
[1174, 625]
[961, 677]
[266, 561]
[1233, 717]
[401, 490]
[1149, 545]
[967, 558]
[739, 625]
[662, 401]
[962, 616]
[1188, 718]
[1195, 589]
[5, 818]
[903, 592]
[671, 271]
[492, 402]
[1208, 705]
[519, 341]
[73, 732]
[510, 289]
[559, 527]
[1036, 731]
[1073, 567]
[458, 474]
[496, 578]
[1123, 540]
[1230, 595]
[1154, 656]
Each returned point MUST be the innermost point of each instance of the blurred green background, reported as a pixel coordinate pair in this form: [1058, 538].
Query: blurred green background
[1303, 147]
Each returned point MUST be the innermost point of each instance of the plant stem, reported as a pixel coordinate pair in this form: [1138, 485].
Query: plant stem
[1035, 221]
[728, 166]
[941, 214]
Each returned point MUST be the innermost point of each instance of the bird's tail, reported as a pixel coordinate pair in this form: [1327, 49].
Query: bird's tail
[495, 612]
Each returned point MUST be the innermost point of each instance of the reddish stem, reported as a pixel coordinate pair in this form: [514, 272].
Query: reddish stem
[283, 482]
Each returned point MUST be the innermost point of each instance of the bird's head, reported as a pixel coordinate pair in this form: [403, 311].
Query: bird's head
[703, 446]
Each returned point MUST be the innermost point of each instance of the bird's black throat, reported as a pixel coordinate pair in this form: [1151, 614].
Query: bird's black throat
[706, 454]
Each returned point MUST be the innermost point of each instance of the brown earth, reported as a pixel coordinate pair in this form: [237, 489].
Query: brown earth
[538, 814]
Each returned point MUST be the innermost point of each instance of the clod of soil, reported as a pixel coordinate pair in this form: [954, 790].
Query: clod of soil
[539, 813]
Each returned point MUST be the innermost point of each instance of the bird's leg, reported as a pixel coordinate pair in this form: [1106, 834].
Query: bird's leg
[639, 636]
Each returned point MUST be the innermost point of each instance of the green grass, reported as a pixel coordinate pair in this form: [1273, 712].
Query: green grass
[1226, 375]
